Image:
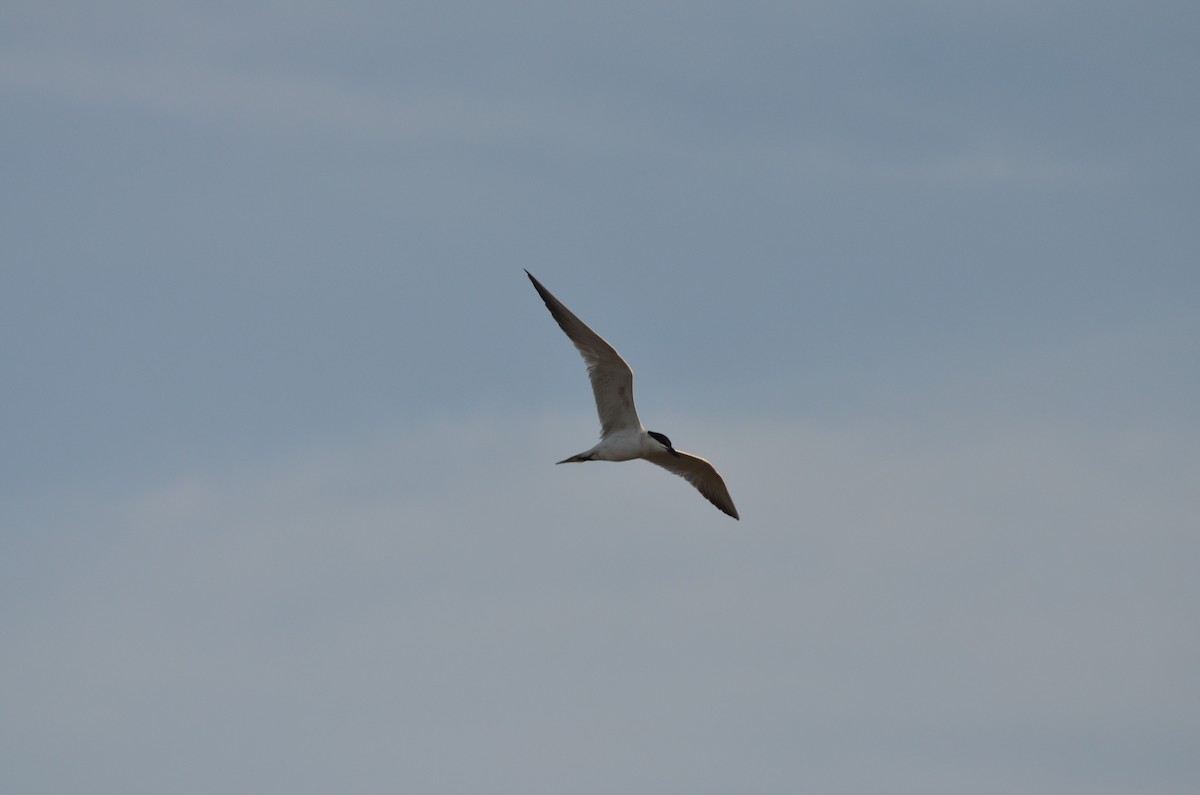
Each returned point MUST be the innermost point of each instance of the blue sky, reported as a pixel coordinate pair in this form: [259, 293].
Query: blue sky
[279, 509]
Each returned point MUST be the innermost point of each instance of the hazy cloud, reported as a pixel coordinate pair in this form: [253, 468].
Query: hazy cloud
[277, 495]
[477, 617]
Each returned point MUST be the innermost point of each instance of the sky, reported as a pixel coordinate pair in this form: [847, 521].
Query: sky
[278, 509]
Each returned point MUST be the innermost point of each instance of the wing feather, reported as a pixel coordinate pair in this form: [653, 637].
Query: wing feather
[611, 377]
[700, 473]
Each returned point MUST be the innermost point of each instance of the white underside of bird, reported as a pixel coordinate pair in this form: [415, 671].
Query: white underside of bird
[624, 445]
[622, 435]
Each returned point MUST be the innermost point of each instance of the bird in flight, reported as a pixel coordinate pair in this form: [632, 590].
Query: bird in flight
[622, 435]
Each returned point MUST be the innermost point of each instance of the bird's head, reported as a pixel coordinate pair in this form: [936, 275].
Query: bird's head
[662, 439]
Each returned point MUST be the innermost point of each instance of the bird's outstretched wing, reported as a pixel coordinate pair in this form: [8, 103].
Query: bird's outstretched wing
[612, 379]
[699, 473]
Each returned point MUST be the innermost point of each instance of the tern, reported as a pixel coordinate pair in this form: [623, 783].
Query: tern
[622, 435]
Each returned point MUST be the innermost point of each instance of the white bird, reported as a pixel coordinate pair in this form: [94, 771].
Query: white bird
[622, 435]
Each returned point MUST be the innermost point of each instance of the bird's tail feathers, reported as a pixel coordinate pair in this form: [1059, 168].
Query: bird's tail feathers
[575, 459]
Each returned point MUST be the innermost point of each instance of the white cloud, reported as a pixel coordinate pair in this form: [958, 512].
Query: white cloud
[248, 98]
[275, 100]
[444, 608]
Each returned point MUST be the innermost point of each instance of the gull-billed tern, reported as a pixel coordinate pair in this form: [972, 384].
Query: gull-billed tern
[622, 435]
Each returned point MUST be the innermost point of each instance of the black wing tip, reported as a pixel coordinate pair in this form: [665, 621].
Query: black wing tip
[723, 506]
[723, 501]
[542, 291]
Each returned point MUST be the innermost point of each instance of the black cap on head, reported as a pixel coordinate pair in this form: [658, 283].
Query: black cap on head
[663, 439]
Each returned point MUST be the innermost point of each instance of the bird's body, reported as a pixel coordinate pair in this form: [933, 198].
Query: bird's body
[625, 445]
[622, 435]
